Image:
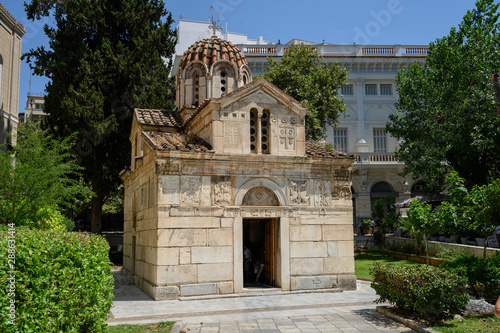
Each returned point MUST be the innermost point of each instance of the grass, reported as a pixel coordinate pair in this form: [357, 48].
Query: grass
[470, 325]
[163, 327]
[363, 262]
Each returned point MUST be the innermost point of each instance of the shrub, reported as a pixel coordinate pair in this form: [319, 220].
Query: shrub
[434, 293]
[63, 281]
[483, 275]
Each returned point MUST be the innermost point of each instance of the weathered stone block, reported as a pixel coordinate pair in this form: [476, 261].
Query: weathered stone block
[309, 266]
[305, 233]
[184, 255]
[198, 289]
[182, 274]
[338, 232]
[189, 222]
[332, 249]
[226, 287]
[316, 282]
[226, 222]
[346, 249]
[166, 293]
[182, 237]
[308, 250]
[211, 254]
[347, 282]
[220, 237]
[215, 272]
[344, 265]
[168, 256]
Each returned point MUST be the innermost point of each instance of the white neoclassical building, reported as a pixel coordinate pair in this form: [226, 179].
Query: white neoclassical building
[369, 94]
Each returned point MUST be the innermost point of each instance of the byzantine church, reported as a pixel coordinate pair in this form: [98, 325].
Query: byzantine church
[229, 174]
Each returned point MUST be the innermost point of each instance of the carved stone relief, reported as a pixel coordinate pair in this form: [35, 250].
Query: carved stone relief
[298, 192]
[341, 192]
[232, 135]
[323, 193]
[222, 193]
[168, 189]
[190, 189]
[343, 174]
[260, 196]
[287, 138]
[166, 168]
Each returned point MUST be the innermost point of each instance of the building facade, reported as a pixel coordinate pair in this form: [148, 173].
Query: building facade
[370, 95]
[227, 174]
[34, 111]
[11, 32]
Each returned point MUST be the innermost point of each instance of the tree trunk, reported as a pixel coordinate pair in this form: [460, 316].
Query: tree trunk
[426, 250]
[95, 226]
[496, 90]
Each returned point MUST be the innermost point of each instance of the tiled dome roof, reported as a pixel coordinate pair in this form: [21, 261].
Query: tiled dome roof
[212, 49]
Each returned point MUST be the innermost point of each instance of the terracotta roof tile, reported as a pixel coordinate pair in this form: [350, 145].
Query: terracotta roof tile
[2, 8]
[159, 117]
[314, 149]
[178, 141]
[210, 50]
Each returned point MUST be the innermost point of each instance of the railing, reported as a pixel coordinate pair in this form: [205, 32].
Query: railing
[375, 157]
[260, 50]
[414, 51]
[378, 50]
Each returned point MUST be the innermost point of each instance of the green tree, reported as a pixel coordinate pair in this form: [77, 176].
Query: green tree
[447, 116]
[420, 223]
[36, 177]
[302, 75]
[105, 58]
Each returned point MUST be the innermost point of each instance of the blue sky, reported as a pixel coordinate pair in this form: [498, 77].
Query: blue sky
[374, 22]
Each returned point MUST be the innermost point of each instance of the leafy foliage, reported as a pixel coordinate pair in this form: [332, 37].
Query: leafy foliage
[63, 281]
[315, 85]
[434, 293]
[483, 275]
[447, 117]
[36, 178]
[105, 58]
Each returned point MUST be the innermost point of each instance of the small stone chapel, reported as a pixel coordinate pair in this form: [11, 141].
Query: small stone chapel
[230, 169]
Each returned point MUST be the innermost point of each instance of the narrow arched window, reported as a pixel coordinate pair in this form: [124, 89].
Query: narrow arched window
[253, 130]
[264, 132]
[196, 89]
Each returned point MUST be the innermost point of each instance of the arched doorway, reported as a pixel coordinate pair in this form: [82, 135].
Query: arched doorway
[382, 190]
[260, 240]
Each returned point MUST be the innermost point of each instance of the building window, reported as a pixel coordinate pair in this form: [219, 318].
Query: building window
[39, 106]
[386, 89]
[347, 90]
[196, 90]
[370, 89]
[253, 130]
[340, 139]
[379, 140]
[223, 85]
[264, 131]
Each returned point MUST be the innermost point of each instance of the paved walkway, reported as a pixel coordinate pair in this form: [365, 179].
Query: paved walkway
[256, 311]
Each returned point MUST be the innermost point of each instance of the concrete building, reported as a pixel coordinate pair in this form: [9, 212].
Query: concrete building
[369, 94]
[228, 172]
[34, 111]
[11, 33]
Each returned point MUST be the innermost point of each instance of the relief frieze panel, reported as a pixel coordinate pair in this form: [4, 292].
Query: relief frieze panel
[222, 193]
[260, 196]
[190, 189]
[298, 192]
[232, 134]
[167, 168]
[323, 193]
[341, 192]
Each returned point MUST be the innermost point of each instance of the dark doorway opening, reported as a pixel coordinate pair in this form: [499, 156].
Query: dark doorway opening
[260, 236]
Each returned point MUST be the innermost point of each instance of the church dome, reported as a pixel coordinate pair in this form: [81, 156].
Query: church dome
[211, 50]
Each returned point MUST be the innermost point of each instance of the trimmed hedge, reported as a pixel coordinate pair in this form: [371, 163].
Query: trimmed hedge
[63, 281]
[434, 293]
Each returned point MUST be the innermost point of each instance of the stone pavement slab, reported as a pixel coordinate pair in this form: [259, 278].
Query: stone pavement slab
[348, 311]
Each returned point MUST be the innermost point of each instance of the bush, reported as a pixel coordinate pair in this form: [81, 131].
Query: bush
[63, 281]
[434, 293]
[483, 275]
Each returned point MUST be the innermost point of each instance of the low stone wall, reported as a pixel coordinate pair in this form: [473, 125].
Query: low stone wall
[434, 247]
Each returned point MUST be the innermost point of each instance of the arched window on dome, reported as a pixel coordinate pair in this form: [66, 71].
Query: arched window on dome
[196, 88]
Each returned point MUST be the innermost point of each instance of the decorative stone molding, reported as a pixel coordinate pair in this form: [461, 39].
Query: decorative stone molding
[260, 196]
[167, 168]
[232, 134]
[343, 174]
